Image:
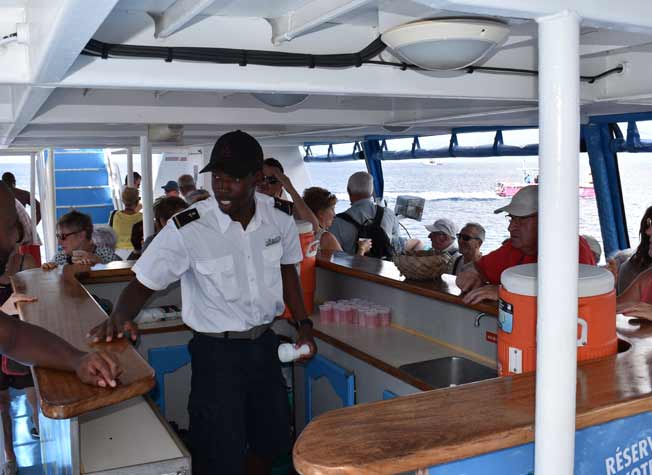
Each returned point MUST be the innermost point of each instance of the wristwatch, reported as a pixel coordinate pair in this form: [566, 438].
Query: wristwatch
[304, 322]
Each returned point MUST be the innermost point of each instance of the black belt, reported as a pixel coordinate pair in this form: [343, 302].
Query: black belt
[251, 334]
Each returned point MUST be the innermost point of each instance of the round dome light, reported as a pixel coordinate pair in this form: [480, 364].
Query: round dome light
[281, 100]
[447, 43]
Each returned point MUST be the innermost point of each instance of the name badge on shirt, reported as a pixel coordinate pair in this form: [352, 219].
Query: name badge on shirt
[272, 241]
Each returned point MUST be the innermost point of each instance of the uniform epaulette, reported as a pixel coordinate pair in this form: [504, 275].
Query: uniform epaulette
[185, 217]
[285, 206]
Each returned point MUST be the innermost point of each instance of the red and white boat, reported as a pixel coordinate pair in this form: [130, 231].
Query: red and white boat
[531, 177]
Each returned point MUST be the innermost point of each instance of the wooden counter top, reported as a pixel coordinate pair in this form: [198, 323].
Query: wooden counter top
[386, 273]
[440, 426]
[65, 308]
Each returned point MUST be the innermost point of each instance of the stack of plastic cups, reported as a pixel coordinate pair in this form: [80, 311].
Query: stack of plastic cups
[326, 312]
[338, 313]
[384, 316]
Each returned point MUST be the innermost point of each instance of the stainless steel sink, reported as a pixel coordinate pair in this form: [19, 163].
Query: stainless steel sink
[449, 371]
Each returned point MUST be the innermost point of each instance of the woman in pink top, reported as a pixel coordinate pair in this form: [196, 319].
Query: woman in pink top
[636, 300]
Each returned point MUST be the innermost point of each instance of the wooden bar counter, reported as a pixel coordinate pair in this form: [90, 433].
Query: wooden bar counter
[65, 308]
[436, 427]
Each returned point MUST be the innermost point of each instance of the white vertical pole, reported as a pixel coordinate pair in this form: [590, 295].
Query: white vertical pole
[32, 187]
[146, 188]
[50, 195]
[130, 167]
[559, 133]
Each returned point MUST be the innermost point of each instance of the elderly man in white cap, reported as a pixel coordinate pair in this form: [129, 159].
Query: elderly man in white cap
[482, 282]
[442, 236]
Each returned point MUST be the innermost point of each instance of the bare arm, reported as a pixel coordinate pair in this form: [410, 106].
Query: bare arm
[293, 298]
[329, 243]
[36, 346]
[131, 301]
[301, 209]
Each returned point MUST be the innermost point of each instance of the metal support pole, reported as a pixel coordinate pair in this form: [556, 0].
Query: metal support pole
[32, 187]
[130, 167]
[146, 188]
[559, 130]
[372, 155]
[50, 197]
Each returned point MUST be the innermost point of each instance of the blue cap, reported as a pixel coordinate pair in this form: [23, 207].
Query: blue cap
[171, 185]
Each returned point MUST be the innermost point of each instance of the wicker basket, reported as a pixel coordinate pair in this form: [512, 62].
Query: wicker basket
[423, 265]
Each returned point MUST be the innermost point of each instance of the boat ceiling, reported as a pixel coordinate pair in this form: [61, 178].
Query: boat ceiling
[52, 96]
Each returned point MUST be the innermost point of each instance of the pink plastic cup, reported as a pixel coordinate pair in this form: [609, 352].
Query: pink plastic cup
[372, 318]
[326, 313]
[384, 316]
[338, 314]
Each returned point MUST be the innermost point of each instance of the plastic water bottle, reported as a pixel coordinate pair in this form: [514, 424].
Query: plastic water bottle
[287, 352]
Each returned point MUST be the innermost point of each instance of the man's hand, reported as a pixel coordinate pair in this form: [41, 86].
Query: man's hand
[110, 329]
[10, 307]
[468, 280]
[98, 368]
[280, 176]
[639, 310]
[486, 292]
[305, 338]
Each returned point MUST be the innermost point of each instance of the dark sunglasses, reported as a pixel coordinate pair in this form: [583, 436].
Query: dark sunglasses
[271, 180]
[64, 236]
[466, 237]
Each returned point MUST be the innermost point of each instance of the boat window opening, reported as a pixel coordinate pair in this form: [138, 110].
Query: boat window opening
[343, 148]
[521, 137]
[433, 142]
[399, 145]
[475, 139]
[635, 176]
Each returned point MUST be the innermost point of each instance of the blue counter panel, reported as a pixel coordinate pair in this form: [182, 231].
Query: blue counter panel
[621, 447]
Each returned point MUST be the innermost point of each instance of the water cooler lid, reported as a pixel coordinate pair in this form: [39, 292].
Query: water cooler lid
[304, 226]
[522, 280]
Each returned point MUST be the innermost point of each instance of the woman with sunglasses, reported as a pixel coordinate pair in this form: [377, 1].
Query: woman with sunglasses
[75, 236]
[469, 240]
[642, 257]
[273, 184]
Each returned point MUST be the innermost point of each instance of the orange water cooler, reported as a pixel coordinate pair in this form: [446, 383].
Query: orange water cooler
[517, 317]
[306, 269]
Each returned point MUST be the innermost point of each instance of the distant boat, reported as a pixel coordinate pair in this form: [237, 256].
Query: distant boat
[436, 162]
[531, 177]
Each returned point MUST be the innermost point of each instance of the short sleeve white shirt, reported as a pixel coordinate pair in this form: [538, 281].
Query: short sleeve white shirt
[230, 277]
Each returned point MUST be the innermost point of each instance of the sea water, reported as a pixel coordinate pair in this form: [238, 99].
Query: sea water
[463, 190]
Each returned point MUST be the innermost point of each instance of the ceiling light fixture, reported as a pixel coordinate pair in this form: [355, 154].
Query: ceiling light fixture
[445, 43]
[281, 100]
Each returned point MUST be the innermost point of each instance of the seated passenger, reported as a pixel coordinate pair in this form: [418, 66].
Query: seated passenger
[442, 236]
[482, 281]
[164, 209]
[469, 240]
[104, 236]
[136, 241]
[186, 186]
[636, 300]
[642, 257]
[322, 203]
[363, 210]
[123, 220]
[171, 189]
[74, 234]
[275, 182]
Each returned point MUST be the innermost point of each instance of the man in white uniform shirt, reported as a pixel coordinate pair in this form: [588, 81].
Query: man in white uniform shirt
[235, 256]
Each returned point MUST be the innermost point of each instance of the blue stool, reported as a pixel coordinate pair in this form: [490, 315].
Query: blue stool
[342, 381]
[165, 360]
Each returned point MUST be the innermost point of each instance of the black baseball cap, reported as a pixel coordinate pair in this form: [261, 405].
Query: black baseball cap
[237, 154]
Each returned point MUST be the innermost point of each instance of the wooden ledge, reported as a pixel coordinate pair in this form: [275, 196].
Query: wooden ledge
[440, 426]
[65, 308]
[386, 273]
